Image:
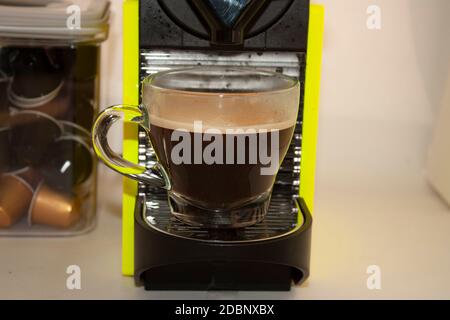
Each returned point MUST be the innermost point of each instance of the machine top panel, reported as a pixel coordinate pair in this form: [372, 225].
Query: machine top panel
[230, 25]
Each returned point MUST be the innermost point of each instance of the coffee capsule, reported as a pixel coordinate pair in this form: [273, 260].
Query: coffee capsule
[4, 123]
[55, 103]
[83, 103]
[68, 163]
[30, 175]
[4, 105]
[54, 208]
[36, 73]
[71, 129]
[84, 111]
[15, 198]
[66, 58]
[31, 134]
[5, 150]
[38, 83]
[5, 65]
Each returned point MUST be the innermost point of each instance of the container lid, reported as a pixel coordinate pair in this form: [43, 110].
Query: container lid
[65, 20]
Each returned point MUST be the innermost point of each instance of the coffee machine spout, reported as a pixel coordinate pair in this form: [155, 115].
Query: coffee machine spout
[228, 20]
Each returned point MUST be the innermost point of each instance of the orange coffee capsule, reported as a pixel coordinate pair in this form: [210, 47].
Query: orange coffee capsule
[15, 199]
[53, 208]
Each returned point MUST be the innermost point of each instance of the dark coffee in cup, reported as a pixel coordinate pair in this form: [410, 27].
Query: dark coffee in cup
[230, 175]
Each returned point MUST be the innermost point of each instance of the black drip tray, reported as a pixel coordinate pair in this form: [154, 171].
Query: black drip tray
[220, 276]
[283, 217]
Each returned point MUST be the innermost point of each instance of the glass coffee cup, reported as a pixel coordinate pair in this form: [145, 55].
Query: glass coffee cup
[219, 135]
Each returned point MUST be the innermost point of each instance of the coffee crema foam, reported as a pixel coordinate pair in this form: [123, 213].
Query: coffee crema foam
[261, 121]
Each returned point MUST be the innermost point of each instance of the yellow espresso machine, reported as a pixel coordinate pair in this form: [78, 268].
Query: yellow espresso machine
[284, 36]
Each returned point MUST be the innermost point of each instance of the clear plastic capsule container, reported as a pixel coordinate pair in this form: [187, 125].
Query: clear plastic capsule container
[49, 90]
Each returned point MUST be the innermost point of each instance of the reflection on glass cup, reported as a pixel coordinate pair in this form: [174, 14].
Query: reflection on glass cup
[220, 135]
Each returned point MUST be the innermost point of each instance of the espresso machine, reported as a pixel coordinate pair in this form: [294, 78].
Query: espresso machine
[284, 36]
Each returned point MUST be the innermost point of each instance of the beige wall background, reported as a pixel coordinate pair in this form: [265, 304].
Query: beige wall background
[382, 89]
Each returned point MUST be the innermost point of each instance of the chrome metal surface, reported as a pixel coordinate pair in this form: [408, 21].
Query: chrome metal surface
[287, 63]
[281, 220]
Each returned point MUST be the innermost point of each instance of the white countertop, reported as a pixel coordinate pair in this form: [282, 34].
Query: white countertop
[401, 227]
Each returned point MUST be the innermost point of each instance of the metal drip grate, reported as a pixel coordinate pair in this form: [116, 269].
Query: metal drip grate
[281, 219]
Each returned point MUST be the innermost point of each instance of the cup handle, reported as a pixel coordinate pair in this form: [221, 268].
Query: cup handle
[154, 176]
